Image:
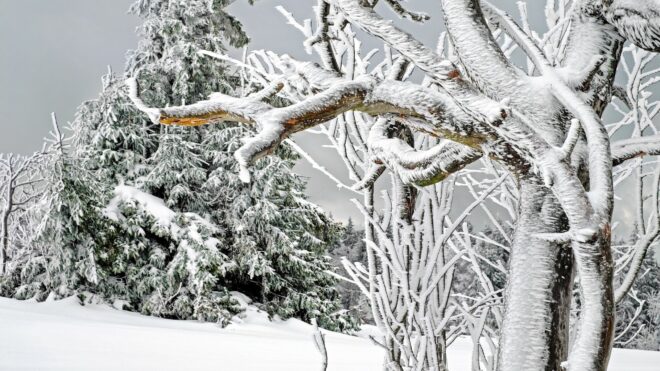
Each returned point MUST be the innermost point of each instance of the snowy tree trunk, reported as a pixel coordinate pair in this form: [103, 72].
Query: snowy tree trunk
[6, 213]
[538, 292]
[4, 248]
[595, 338]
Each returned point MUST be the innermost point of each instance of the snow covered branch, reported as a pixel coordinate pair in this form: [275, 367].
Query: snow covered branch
[419, 167]
[638, 21]
[627, 149]
[366, 94]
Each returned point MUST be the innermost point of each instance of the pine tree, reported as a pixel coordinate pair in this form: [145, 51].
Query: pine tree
[220, 235]
[167, 61]
[177, 171]
[111, 137]
[277, 238]
[165, 263]
[153, 219]
[71, 230]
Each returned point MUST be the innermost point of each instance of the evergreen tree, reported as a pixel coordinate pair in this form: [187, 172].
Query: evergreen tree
[166, 263]
[276, 237]
[111, 137]
[71, 230]
[156, 220]
[268, 227]
[177, 171]
[167, 61]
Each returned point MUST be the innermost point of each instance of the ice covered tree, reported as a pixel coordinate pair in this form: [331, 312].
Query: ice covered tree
[20, 178]
[542, 123]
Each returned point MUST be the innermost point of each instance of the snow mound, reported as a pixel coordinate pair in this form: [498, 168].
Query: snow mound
[62, 335]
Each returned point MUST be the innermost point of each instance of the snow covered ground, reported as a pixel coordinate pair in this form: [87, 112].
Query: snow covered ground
[66, 336]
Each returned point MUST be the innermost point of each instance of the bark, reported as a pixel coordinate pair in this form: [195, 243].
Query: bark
[4, 246]
[538, 292]
[5, 242]
[594, 341]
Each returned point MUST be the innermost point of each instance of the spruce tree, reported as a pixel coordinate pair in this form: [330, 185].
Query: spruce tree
[154, 219]
[70, 231]
[111, 137]
[277, 238]
[262, 239]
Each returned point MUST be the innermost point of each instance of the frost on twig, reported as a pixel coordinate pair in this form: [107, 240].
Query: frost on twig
[571, 139]
[319, 343]
[627, 149]
[423, 167]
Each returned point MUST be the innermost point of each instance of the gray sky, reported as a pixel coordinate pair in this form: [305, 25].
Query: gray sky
[54, 52]
[52, 56]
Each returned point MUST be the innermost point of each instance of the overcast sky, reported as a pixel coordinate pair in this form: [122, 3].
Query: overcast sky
[54, 52]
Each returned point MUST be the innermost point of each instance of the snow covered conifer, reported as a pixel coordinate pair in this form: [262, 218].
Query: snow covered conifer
[111, 137]
[71, 231]
[277, 238]
[167, 60]
[219, 235]
[177, 170]
[165, 263]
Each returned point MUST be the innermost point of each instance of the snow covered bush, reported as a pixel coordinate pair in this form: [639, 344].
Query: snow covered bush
[165, 263]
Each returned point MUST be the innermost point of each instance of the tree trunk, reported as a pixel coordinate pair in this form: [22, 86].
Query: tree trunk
[593, 344]
[534, 334]
[4, 237]
[5, 243]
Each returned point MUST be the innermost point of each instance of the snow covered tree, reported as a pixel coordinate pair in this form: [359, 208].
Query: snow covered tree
[541, 123]
[68, 233]
[165, 263]
[276, 237]
[167, 59]
[177, 171]
[111, 137]
[180, 231]
[20, 178]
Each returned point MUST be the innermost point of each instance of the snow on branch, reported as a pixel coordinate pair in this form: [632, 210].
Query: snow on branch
[367, 19]
[367, 94]
[638, 21]
[628, 149]
[405, 13]
[421, 167]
